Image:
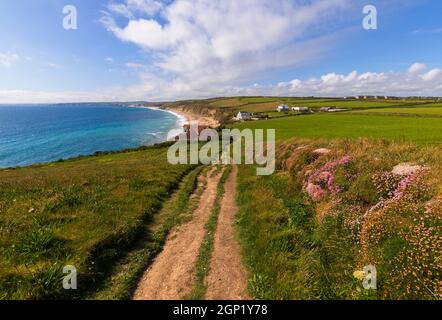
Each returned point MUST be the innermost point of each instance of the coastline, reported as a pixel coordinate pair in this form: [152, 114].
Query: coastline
[185, 117]
[182, 117]
[159, 136]
[181, 121]
[191, 116]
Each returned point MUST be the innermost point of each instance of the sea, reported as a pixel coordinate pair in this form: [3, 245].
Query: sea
[43, 133]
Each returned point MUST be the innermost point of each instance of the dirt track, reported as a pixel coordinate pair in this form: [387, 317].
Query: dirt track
[227, 279]
[171, 275]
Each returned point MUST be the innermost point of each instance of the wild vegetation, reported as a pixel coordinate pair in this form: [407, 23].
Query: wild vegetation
[309, 230]
[178, 209]
[83, 212]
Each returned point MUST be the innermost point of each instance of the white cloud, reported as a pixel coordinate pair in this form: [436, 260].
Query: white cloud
[417, 68]
[368, 83]
[432, 75]
[130, 8]
[109, 60]
[7, 59]
[204, 48]
[214, 43]
[155, 88]
[120, 9]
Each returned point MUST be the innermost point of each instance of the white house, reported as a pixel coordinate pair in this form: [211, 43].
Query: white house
[243, 115]
[283, 108]
[301, 109]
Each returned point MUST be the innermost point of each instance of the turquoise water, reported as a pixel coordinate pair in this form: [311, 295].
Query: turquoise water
[42, 133]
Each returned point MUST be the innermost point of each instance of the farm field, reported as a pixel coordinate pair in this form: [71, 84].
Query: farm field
[433, 109]
[331, 126]
[268, 104]
[353, 104]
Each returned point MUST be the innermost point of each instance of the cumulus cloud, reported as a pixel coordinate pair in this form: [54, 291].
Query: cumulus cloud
[432, 75]
[7, 59]
[203, 48]
[200, 43]
[416, 68]
[367, 83]
[154, 88]
[206, 48]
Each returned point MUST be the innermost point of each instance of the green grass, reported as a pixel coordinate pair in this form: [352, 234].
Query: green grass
[84, 212]
[178, 209]
[331, 126]
[275, 229]
[202, 265]
[246, 100]
[297, 247]
[421, 111]
[351, 104]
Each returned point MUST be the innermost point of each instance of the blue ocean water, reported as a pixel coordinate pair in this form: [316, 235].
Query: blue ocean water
[42, 133]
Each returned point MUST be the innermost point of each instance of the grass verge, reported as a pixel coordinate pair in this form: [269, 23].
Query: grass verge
[176, 210]
[276, 238]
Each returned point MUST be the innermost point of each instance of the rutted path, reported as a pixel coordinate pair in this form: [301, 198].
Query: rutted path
[171, 275]
[227, 279]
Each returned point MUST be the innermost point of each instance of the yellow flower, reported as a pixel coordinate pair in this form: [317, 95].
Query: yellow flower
[358, 274]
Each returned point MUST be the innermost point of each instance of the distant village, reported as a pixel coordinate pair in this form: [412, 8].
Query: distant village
[284, 108]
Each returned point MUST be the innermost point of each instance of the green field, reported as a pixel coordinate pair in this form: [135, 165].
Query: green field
[266, 104]
[434, 109]
[81, 212]
[231, 105]
[353, 104]
[330, 126]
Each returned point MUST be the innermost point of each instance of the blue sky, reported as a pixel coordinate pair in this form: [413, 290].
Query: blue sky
[174, 49]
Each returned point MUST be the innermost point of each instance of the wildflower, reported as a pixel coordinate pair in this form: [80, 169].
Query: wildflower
[359, 274]
[322, 181]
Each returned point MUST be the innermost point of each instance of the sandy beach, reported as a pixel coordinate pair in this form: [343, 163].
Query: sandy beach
[185, 117]
[192, 116]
